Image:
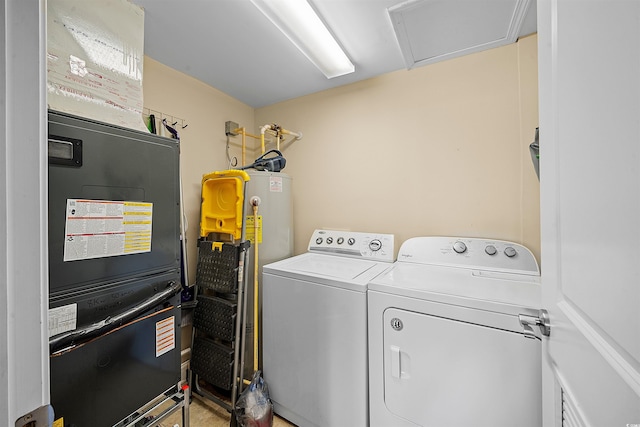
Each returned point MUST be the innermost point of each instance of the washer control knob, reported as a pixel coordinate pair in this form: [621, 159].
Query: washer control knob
[351, 241]
[318, 240]
[510, 252]
[329, 240]
[375, 245]
[340, 240]
[490, 250]
[459, 247]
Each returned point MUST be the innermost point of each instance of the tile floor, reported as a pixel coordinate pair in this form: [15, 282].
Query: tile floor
[205, 413]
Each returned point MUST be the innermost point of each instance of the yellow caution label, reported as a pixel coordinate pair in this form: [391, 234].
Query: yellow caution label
[250, 229]
[139, 204]
[58, 423]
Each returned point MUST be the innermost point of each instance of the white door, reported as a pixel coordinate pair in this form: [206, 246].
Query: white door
[589, 75]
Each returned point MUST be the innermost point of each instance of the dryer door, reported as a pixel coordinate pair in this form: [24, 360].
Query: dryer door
[443, 372]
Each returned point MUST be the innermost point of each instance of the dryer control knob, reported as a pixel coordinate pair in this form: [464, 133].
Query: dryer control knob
[329, 240]
[459, 247]
[351, 241]
[318, 240]
[510, 252]
[375, 245]
[340, 240]
[490, 250]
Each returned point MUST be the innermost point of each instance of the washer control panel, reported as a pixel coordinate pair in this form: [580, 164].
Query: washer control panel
[481, 254]
[373, 246]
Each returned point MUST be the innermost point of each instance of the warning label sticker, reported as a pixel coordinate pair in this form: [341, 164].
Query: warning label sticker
[62, 319]
[103, 228]
[275, 184]
[250, 229]
[165, 336]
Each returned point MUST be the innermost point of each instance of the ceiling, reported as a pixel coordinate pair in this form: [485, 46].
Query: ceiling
[231, 46]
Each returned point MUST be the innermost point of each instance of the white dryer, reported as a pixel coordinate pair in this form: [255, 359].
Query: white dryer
[452, 338]
[314, 322]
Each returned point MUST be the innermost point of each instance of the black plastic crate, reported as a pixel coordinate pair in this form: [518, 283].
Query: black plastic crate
[218, 266]
[215, 317]
[213, 362]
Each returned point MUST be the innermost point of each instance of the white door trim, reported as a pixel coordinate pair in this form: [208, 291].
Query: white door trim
[24, 349]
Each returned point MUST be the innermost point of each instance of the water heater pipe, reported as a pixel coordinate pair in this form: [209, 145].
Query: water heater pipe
[244, 134]
[296, 136]
[244, 148]
[279, 131]
[263, 129]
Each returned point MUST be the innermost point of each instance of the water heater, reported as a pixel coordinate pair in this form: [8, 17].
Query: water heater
[271, 192]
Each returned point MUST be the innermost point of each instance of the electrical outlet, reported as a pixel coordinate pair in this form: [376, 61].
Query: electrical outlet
[230, 128]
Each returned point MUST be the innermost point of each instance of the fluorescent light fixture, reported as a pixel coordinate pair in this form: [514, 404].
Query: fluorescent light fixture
[299, 22]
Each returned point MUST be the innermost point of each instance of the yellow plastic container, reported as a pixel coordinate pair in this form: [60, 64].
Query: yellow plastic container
[222, 202]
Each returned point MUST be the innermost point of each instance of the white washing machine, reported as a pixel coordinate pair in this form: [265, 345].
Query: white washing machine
[314, 322]
[446, 344]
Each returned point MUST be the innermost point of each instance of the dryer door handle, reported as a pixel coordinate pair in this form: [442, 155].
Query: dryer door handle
[395, 362]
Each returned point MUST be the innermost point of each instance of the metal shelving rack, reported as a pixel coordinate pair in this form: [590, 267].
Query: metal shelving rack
[161, 408]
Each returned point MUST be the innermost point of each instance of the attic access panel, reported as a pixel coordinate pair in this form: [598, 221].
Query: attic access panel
[430, 31]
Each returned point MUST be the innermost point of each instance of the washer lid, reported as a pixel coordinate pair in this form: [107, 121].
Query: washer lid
[347, 273]
[488, 290]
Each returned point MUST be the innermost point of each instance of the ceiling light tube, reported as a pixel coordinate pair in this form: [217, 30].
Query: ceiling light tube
[298, 21]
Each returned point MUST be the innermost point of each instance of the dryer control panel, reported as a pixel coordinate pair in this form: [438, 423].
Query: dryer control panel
[470, 252]
[373, 246]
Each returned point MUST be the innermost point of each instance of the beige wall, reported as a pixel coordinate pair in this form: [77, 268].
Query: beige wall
[438, 150]
[530, 194]
[202, 143]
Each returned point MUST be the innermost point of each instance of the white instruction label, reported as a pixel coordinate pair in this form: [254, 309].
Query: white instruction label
[103, 228]
[275, 184]
[165, 335]
[63, 319]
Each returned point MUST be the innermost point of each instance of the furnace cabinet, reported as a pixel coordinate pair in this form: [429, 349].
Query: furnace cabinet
[114, 269]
